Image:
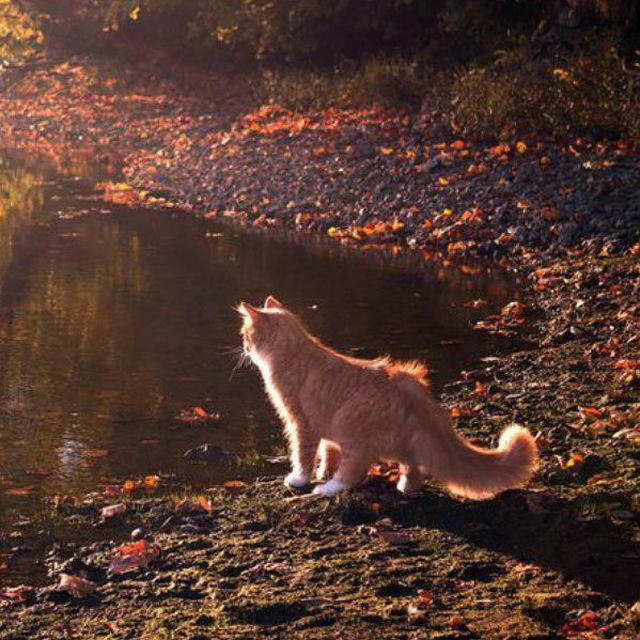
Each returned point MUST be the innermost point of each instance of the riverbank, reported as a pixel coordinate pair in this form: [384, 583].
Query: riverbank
[559, 559]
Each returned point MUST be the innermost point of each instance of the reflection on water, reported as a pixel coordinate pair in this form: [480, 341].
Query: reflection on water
[113, 321]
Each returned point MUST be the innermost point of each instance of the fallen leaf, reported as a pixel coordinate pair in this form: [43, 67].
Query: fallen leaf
[133, 556]
[235, 486]
[591, 411]
[480, 389]
[95, 453]
[395, 537]
[76, 586]
[574, 461]
[19, 491]
[151, 482]
[478, 303]
[513, 310]
[196, 415]
[21, 593]
[457, 623]
[112, 510]
[587, 623]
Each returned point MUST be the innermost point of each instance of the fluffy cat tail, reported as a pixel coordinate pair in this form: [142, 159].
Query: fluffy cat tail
[477, 473]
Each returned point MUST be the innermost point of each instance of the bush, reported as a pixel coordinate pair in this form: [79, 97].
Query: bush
[383, 82]
[20, 36]
[593, 90]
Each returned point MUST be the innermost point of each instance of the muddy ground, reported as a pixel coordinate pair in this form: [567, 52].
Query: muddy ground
[560, 559]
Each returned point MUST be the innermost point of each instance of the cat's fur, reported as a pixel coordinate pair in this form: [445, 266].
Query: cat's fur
[346, 413]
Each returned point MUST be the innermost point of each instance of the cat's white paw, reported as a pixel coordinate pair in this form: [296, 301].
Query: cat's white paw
[297, 480]
[331, 488]
[404, 485]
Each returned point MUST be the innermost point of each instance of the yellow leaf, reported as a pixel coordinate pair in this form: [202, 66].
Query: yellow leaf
[575, 460]
[151, 482]
[120, 186]
[134, 14]
[442, 180]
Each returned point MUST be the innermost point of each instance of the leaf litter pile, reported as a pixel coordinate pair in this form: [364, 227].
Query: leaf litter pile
[558, 560]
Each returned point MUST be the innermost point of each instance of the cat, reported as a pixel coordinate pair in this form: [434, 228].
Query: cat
[345, 413]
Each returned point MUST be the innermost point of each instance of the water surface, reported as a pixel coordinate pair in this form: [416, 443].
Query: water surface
[112, 321]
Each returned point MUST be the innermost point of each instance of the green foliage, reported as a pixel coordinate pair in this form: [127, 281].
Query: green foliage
[19, 33]
[298, 29]
[386, 82]
[281, 29]
[590, 90]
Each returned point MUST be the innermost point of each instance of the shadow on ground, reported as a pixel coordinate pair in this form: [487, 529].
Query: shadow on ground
[567, 536]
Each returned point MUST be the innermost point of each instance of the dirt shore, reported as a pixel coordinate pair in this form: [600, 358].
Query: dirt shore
[561, 559]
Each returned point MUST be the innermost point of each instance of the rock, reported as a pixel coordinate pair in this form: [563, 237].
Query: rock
[203, 620]
[112, 510]
[568, 233]
[138, 533]
[209, 453]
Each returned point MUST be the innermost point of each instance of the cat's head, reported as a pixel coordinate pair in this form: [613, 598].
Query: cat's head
[268, 328]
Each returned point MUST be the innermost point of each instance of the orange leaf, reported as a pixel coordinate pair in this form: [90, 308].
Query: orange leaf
[575, 460]
[19, 491]
[425, 597]
[205, 504]
[133, 556]
[513, 309]
[151, 482]
[456, 622]
[234, 486]
[95, 453]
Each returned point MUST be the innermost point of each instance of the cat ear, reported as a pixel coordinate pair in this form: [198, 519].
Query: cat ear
[247, 310]
[272, 303]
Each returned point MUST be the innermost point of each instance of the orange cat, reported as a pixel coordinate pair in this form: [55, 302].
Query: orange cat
[347, 413]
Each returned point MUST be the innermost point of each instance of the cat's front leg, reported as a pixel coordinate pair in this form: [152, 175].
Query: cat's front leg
[303, 454]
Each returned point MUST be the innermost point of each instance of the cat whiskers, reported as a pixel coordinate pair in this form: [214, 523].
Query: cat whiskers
[242, 358]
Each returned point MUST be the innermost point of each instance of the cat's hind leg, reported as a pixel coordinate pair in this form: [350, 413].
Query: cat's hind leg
[329, 460]
[411, 479]
[351, 471]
